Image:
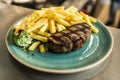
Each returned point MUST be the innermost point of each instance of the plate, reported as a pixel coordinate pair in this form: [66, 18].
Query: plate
[94, 52]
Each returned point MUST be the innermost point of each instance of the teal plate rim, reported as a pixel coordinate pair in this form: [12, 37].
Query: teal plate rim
[66, 71]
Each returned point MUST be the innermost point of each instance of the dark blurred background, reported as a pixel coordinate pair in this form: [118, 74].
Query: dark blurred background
[108, 11]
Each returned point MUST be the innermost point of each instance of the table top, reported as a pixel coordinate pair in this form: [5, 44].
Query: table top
[12, 70]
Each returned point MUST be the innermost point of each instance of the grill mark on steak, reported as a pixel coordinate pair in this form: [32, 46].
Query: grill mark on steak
[58, 34]
[77, 37]
[78, 32]
[70, 39]
[82, 35]
[64, 43]
[67, 43]
[73, 37]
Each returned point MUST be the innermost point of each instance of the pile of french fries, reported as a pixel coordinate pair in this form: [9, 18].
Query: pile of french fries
[43, 23]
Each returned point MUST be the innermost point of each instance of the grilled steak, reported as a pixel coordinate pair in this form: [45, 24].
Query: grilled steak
[69, 39]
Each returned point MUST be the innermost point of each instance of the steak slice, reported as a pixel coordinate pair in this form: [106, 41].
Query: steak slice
[70, 39]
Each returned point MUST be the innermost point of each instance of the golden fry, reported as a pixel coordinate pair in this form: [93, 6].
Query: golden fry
[40, 13]
[57, 8]
[39, 24]
[83, 14]
[49, 14]
[52, 26]
[44, 27]
[23, 24]
[44, 9]
[17, 28]
[92, 19]
[59, 28]
[44, 34]
[36, 19]
[34, 46]
[65, 13]
[62, 27]
[38, 37]
[63, 22]
[59, 16]
[42, 48]
[93, 28]
[74, 22]
[72, 9]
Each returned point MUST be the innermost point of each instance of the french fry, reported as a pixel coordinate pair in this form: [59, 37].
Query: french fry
[52, 26]
[59, 28]
[58, 8]
[93, 28]
[34, 46]
[78, 14]
[72, 9]
[44, 9]
[29, 24]
[44, 27]
[62, 26]
[23, 24]
[49, 14]
[36, 19]
[44, 34]
[38, 37]
[29, 19]
[59, 16]
[17, 28]
[40, 13]
[42, 48]
[63, 12]
[39, 24]
[92, 19]
[35, 13]
[63, 22]
[83, 14]
[76, 18]
[74, 22]
[35, 31]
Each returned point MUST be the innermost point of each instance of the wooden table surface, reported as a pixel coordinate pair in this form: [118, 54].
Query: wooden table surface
[12, 70]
